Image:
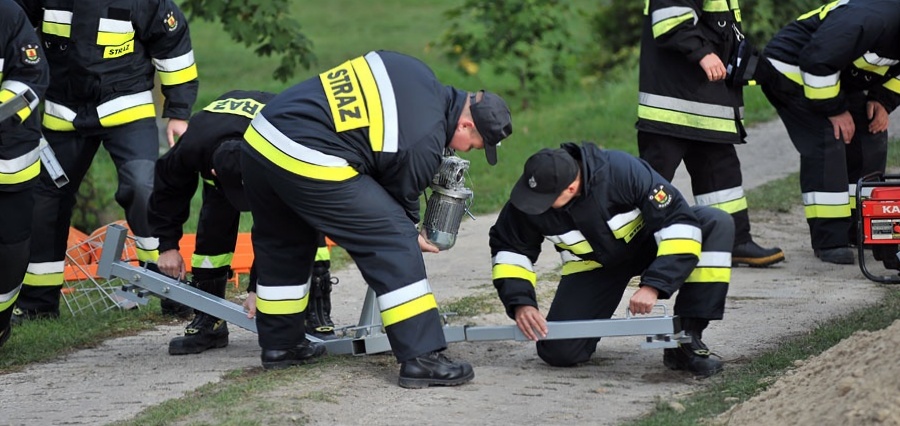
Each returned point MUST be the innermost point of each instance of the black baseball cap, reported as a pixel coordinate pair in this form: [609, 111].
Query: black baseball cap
[547, 173]
[226, 161]
[492, 120]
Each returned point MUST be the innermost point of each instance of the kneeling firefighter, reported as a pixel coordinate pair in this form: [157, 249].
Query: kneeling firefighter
[210, 149]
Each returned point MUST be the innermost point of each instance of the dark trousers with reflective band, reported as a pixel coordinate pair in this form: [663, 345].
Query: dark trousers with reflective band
[15, 236]
[827, 165]
[596, 294]
[217, 232]
[357, 214]
[134, 148]
[712, 167]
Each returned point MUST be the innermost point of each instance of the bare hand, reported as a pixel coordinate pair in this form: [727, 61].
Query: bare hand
[250, 304]
[531, 322]
[175, 128]
[643, 300]
[426, 246]
[171, 263]
[878, 117]
[713, 67]
[843, 126]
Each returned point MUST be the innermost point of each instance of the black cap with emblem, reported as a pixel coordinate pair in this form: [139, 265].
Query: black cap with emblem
[547, 173]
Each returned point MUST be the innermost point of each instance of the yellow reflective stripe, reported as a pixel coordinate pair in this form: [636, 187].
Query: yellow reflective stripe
[128, 115]
[281, 307]
[178, 77]
[678, 246]
[345, 98]
[114, 32]
[501, 271]
[373, 103]
[823, 10]
[323, 254]
[732, 207]
[211, 261]
[408, 310]
[792, 72]
[819, 93]
[293, 165]
[8, 299]
[11, 88]
[113, 39]
[893, 85]
[666, 25]
[716, 6]
[7, 94]
[577, 266]
[626, 225]
[57, 124]
[685, 119]
[827, 212]
[58, 117]
[388, 118]
[61, 30]
[873, 63]
[176, 70]
[709, 275]
[581, 248]
[24, 175]
[145, 255]
[126, 109]
[43, 280]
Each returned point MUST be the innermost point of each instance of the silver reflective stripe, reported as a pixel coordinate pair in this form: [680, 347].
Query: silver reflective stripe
[866, 192]
[6, 297]
[59, 111]
[146, 243]
[690, 107]
[18, 87]
[623, 219]
[20, 163]
[175, 64]
[58, 16]
[820, 81]
[388, 102]
[784, 67]
[879, 61]
[569, 238]
[43, 268]
[124, 102]
[404, 294]
[2, 61]
[714, 259]
[115, 26]
[510, 258]
[568, 256]
[671, 12]
[719, 197]
[825, 198]
[288, 292]
[679, 231]
[286, 145]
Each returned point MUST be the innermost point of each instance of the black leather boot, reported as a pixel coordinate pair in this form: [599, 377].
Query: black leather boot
[751, 254]
[694, 356]
[304, 353]
[434, 369]
[318, 311]
[204, 332]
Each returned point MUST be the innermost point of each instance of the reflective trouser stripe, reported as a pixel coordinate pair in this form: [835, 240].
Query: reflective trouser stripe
[8, 299]
[406, 302]
[678, 239]
[730, 200]
[44, 274]
[282, 300]
[826, 205]
[323, 254]
[713, 267]
[211, 261]
[576, 266]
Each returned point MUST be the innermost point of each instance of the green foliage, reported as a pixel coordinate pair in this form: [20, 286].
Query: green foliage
[526, 39]
[763, 18]
[264, 24]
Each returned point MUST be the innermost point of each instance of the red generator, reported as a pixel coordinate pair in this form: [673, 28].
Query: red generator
[879, 225]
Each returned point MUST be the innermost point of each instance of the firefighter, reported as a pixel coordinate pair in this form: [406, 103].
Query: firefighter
[611, 217]
[23, 72]
[102, 57]
[348, 153]
[833, 75]
[211, 151]
[687, 112]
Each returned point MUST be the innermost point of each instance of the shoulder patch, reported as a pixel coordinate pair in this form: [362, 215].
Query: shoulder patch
[660, 197]
[171, 22]
[31, 54]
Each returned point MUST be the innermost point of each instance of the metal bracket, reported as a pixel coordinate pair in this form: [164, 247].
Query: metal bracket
[368, 336]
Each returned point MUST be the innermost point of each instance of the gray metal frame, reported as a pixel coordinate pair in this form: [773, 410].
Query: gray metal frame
[368, 337]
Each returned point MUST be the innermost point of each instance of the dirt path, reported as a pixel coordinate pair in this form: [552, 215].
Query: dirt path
[124, 376]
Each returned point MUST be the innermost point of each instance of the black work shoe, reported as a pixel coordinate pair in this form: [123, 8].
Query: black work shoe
[434, 369]
[836, 255]
[323, 333]
[204, 332]
[304, 353]
[4, 334]
[174, 309]
[692, 357]
[751, 254]
[20, 315]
